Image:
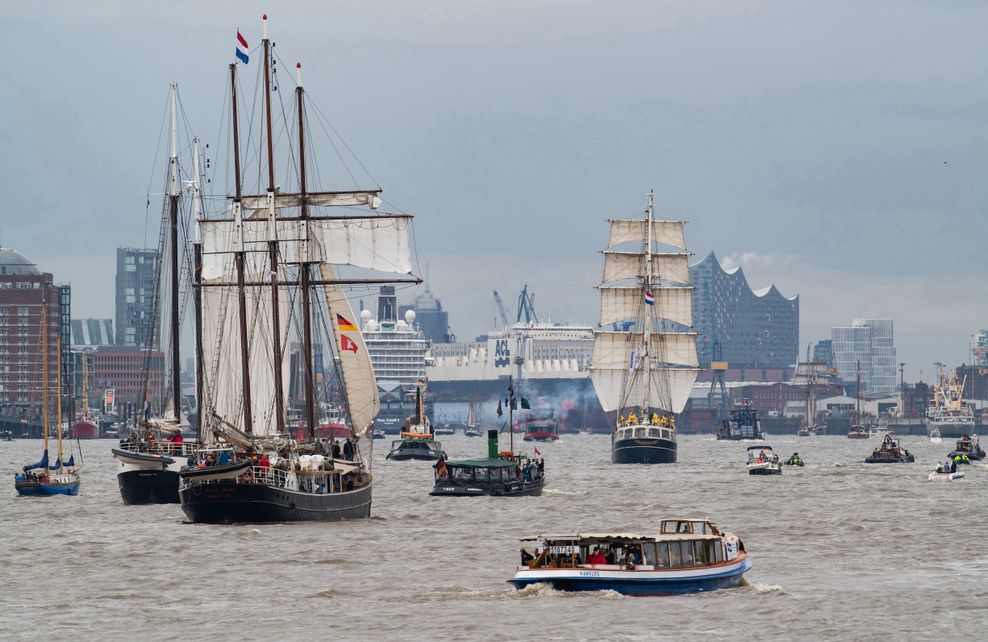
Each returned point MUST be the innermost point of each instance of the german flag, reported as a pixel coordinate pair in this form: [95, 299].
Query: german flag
[344, 325]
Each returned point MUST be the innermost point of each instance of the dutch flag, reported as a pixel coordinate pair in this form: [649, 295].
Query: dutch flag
[649, 299]
[242, 49]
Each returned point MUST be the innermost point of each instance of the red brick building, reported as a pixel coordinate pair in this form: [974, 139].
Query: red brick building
[122, 368]
[24, 291]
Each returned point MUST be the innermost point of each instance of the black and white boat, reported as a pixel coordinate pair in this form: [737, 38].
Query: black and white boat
[267, 281]
[644, 358]
[501, 474]
[155, 451]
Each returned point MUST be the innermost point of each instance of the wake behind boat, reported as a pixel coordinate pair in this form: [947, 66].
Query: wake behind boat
[687, 556]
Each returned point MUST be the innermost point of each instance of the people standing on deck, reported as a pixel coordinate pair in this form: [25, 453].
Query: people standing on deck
[349, 450]
[336, 449]
[632, 419]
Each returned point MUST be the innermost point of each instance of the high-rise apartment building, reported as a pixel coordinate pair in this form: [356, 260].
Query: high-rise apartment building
[744, 327]
[24, 292]
[138, 321]
[870, 343]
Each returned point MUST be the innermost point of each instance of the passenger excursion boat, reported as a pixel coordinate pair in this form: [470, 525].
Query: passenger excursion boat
[742, 424]
[687, 556]
[762, 460]
[267, 280]
[647, 368]
[153, 454]
[968, 445]
[417, 441]
[506, 474]
[889, 452]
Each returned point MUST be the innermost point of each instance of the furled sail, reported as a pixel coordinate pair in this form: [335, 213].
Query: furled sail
[665, 232]
[355, 364]
[664, 387]
[626, 303]
[374, 242]
[625, 349]
[259, 202]
[222, 350]
[619, 266]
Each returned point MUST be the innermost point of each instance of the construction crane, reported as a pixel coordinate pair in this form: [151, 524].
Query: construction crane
[526, 305]
[500, 308]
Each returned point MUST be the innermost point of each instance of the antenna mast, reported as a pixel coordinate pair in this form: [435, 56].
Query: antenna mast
[304, 264]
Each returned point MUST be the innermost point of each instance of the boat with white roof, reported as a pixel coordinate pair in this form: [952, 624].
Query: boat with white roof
[686, 556]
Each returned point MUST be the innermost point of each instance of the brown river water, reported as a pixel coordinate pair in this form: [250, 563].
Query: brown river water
[840, 550]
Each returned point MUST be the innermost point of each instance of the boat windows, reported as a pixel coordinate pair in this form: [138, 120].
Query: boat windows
[719, 551]
[462, 474]
[481, 474]
[700, 551]
[648, 550]
[675, 556]
[701, 527]
[687, 553]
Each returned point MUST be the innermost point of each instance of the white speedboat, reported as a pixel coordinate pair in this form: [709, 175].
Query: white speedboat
[941, 476]
[762, 460]
[935, 435]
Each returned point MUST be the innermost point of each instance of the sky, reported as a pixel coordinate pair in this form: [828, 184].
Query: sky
[836, 148]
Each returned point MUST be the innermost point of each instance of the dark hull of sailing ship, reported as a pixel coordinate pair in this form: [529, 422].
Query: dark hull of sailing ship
[148, 487]
[227, 502]
[643, 451]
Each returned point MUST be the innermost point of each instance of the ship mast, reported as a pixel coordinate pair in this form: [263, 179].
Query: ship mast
[173, 191]
[647, 283]
[857, 394]
[239, 259]
[304, 279]
[273, 240]
[58, 410]
[44, 368]
[197, 269]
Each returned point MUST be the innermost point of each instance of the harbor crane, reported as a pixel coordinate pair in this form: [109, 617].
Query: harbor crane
[526, 305]
[500, 309]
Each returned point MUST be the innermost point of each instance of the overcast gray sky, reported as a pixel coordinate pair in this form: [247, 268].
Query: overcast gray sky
[837, 148]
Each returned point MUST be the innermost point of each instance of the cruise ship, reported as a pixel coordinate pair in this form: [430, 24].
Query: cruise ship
[548, 359]
[948, 412]
[399, 352]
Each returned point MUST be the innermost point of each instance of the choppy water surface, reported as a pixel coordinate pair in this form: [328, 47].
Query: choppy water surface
[841, 550]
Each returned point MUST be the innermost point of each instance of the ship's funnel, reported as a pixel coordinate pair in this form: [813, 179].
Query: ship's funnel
[492, 444]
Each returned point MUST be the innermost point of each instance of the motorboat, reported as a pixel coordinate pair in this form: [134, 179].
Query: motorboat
[935, 435]
[742, 424]
[942, 473]
[890, 452]
[686, 556]
[762, 460]
[969, 447]
[858, 431]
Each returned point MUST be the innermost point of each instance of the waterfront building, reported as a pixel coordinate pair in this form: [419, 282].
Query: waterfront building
[823, 352]
[870, 343]
[24, 291]
[744, 327]
[127, 370]
[979, 348]
[137, 320]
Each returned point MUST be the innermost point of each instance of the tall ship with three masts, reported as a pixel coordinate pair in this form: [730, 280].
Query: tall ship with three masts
[644, 357]
[270, 276]
[155, 451]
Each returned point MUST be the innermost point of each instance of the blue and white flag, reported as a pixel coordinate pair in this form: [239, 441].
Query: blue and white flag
[242, 48]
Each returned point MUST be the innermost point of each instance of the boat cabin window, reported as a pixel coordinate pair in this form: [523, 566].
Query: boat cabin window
[675, 526]
[662, 560]
[703, 552]
[687, 553]
[675, 556]
[718, 552]
[648, 551]
[462, 474]
[702, 528]
[481, 474]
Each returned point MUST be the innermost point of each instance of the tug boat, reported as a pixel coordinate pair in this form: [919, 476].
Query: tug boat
[502, 474]
[743, 423]
[417, 440]
[968, 445]
[762, 460]
[687, 556]
[890, 452]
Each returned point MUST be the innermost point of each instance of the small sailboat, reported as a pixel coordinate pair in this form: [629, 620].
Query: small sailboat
[44, 477]
[472, 429]
[644, 358]
[858, 430]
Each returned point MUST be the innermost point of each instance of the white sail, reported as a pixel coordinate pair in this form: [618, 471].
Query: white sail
[619, 266]
[374, 242]
[626, 303]
[259, 202]
[222, 351]
[670, 387]
[626, 349]
[356, 370]
[664, 232]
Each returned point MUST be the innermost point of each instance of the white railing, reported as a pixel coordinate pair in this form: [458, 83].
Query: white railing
[317, 482]
[168, 448]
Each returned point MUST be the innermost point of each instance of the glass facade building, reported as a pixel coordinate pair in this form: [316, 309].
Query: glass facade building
[743, 327]
[870, 342]
[137, 318]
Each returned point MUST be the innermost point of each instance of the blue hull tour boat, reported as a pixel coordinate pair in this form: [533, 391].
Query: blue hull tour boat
[687, 556]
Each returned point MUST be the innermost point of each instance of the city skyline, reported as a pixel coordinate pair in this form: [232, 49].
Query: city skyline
[848, 175]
